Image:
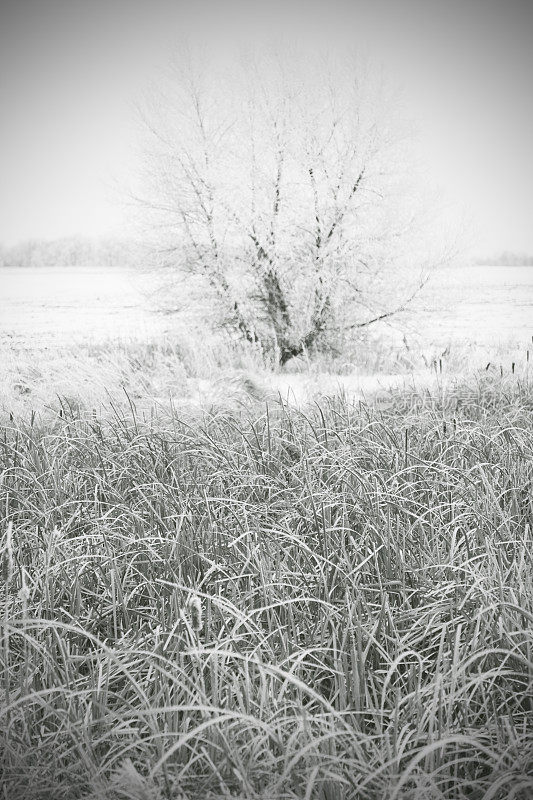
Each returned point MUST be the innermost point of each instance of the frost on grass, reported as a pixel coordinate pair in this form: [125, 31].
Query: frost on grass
[333, 602]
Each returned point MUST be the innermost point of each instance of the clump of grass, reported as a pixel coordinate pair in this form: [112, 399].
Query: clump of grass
[95, 375]
[271, 603]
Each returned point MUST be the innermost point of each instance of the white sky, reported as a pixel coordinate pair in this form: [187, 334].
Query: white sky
[71, 70]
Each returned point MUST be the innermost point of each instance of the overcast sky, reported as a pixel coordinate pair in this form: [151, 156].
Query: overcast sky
[71, 71]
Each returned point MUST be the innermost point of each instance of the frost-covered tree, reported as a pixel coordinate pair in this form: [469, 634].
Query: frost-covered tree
[278, 184]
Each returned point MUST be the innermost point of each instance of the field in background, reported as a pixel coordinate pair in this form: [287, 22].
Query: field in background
[484, 306]
[480, 305]
[87, 334]
[54, 304]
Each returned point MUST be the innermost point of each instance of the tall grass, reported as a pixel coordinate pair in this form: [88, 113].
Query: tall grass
[332, 603]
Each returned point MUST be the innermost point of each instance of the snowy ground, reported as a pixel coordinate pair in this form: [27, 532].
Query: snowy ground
[479, 305]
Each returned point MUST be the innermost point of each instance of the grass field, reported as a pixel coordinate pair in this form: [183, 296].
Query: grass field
[221, 581]
[246, 599]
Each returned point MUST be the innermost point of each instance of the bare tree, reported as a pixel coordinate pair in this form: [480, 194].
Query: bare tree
[278, 182]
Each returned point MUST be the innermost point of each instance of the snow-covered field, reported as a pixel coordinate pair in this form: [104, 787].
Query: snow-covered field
[61, 303]
[478, 305]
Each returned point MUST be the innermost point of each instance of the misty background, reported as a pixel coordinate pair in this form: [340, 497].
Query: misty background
[73, 72]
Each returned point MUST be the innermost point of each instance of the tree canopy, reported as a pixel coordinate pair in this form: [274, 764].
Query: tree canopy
[281, 185]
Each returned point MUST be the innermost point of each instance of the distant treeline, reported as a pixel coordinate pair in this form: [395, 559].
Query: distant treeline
[508, 259]
[71, 251]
